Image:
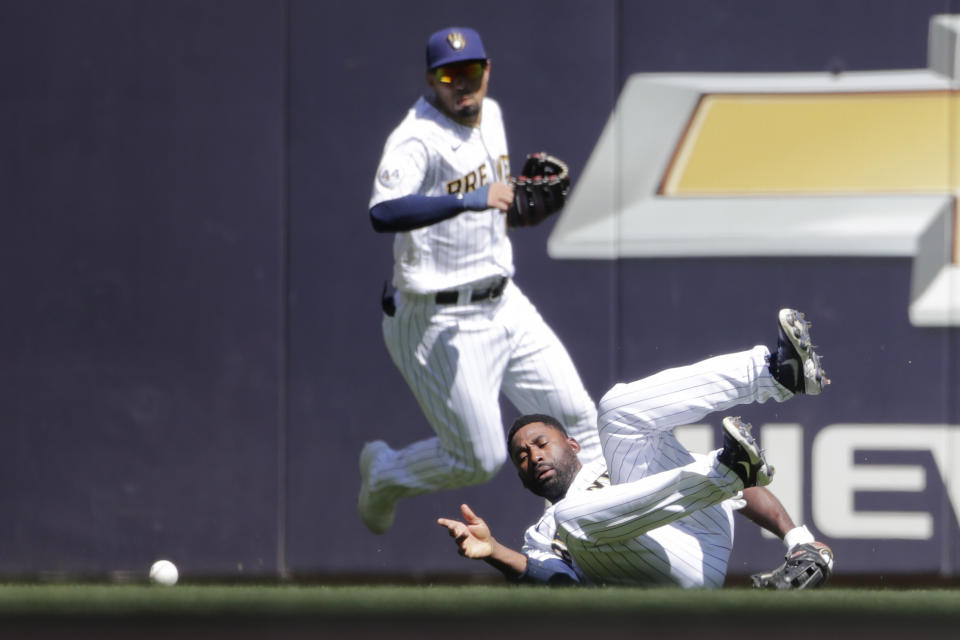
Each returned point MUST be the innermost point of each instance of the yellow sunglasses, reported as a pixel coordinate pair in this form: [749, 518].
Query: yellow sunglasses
[468, 70]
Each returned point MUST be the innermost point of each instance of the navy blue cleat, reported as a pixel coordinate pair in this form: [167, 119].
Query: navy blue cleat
[741, 454]
[795, 364]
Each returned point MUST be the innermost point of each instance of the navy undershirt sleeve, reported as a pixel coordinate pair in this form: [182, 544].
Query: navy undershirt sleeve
[552, 571]
[415, 211]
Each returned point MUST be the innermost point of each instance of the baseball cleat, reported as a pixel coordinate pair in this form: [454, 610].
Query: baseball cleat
[796, 365]
[742, 454]
[376, 512]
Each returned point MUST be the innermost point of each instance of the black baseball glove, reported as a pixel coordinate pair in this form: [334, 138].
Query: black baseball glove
[808, 566]
[539, 191]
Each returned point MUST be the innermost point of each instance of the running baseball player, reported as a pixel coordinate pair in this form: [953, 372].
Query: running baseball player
[654, 514]
[458, 327]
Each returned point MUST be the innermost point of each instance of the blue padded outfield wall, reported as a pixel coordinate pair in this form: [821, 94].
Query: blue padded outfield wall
[190, 346]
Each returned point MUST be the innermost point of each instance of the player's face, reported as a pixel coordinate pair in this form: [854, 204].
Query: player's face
[460, 89]
[546, 459]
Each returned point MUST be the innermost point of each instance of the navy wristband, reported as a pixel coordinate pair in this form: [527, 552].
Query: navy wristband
[476, 200]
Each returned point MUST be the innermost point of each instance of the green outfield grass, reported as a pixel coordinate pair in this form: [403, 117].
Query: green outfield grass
[387, 601]
[474, 611]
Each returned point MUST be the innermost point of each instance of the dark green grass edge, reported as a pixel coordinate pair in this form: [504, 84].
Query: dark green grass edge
[402, 612]
[502, 601]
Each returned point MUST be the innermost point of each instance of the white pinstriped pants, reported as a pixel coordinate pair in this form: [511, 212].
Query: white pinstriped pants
[456, 360]
[663, 519]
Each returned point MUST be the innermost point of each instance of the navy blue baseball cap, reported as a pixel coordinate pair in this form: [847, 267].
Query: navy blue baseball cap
[454, 44]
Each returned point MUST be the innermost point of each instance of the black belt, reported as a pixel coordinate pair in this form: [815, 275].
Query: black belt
[492, 292]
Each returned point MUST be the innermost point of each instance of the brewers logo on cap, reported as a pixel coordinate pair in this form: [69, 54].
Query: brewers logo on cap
[456, 41]
[453, 45]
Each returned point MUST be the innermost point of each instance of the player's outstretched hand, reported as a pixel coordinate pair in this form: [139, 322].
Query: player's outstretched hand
[500, 196]
[472, 536]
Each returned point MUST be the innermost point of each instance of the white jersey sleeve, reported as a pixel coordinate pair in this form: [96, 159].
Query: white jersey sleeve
[402, 171]
[547, 559]
[538, 540]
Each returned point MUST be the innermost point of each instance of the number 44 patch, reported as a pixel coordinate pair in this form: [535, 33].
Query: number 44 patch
[389, 177]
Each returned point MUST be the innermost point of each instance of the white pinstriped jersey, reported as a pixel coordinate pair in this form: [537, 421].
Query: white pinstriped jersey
[429, 154]
[459, 357]
[686, 545]
[665, 517]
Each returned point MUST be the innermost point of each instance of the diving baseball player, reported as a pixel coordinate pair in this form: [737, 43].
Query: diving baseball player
[458, 327]
[654, 514]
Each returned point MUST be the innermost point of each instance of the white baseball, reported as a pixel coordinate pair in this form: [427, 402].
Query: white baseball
[164, 572]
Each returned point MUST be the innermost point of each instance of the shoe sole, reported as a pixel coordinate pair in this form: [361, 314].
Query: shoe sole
[368, 455]
[796, 329]
[740, 431]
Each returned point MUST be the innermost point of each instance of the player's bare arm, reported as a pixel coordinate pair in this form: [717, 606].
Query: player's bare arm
[500, 196]
[475, 541]
[764, 509]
